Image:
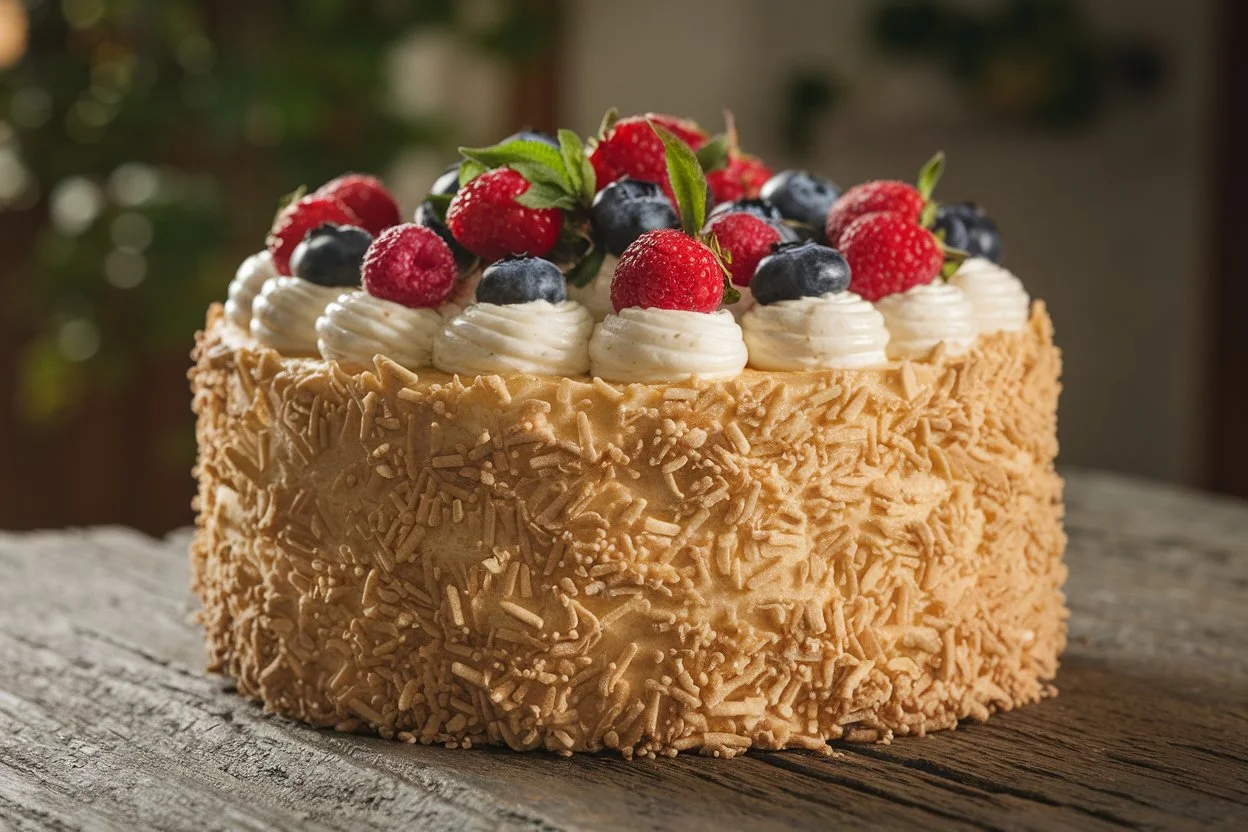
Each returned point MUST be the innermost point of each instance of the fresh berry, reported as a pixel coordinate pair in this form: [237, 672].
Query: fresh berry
[746, 240]
[331, 255]
[760, 208]
[527, 135]
[632, 148]
[295, 221]
[983, 238]
[889, 196]
[889, 253]
[411, 265]
[802, 197]
[667, 269]
[628, 208]
[741, 178]
[486, 219]
[952, 228]
[800, 270]
[428, 215]
[520, 280]
[367, 197]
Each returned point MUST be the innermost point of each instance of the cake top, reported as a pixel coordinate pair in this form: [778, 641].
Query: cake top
[653, 214]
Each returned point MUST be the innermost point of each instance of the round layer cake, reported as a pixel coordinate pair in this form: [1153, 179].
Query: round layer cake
[770, 561]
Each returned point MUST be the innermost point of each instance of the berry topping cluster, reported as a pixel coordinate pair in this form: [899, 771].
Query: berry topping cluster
[689, 215]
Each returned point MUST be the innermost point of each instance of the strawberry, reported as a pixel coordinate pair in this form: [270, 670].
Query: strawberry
[631, 148]
[294, 222]
[485, 218]
[741, 178]
[746, 239]
[367, 197]
[411, 265]
[884, 195]
[667, 269]
[889, 253]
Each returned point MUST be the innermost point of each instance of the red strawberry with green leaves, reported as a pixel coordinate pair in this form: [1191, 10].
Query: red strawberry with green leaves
[671, 269]
[299, 216]
[732, 173]
[629, 147]
[486, 218]
[888, 253]
[885, 195]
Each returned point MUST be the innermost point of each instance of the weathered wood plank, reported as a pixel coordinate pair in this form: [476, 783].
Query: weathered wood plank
[107, 722]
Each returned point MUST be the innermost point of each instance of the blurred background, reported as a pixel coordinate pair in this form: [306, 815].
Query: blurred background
[144, 145]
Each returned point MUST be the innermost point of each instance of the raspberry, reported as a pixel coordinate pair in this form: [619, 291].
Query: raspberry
[295, 221]
[632, 148]
[741, 178]
[869, 198]
[411, 265]
[889, 253]
[367, 197]
[667, 269]
[486, 219]
[746, 239]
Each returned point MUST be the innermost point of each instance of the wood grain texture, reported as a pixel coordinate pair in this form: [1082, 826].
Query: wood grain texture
[108, 722]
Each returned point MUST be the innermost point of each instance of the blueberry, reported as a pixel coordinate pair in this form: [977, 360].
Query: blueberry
[760, 208]
[954, 225]
[628, 208]
[448, 183]
[983, 237]
[799, 270]
[520, 280]
[433, 218]
[527, 135]
[802, 197]
[330, 255]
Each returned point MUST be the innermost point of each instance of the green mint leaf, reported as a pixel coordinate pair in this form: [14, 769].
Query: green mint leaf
[714, 154]
[543, 195]
[535, 161]
[609, 118]
[469, 171]
[289, 200]
[929, 175]
[580, 172]
[954, 258]
[584, 271]
[731, 294]
[687, 180]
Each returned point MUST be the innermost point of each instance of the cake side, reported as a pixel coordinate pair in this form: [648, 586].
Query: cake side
[770, 561]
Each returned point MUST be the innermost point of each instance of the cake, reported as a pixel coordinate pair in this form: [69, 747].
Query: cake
[651, 562]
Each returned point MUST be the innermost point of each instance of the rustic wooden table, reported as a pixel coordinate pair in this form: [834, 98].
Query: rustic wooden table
[107, 720]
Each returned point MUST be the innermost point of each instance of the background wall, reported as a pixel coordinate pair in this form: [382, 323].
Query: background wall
[1107, 225]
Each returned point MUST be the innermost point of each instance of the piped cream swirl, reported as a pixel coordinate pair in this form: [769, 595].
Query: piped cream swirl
[837, 331]
[596, 295]
[538, 337]
[283, 315]
[925, 316]
[1000, 302]
[247, 282]
[656, 345]
[357, 326]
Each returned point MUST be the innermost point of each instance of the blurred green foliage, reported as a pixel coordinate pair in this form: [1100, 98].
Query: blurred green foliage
[144, 144]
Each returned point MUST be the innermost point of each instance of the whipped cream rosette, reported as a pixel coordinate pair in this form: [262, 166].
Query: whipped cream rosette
[998, 298]
[657, 345]
[283, 315]
[595, 296]
[927, 315]
[248, 281]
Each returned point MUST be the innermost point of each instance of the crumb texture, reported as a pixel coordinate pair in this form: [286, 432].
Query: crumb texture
[771, 561]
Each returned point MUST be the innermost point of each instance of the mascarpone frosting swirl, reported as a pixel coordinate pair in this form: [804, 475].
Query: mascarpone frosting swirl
[1000, 302]
[656, 345]
[837, 331]
[283, 315]
[596, 295]
[357, 326]
[925, 316]
[247, 282]
[538, 337]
